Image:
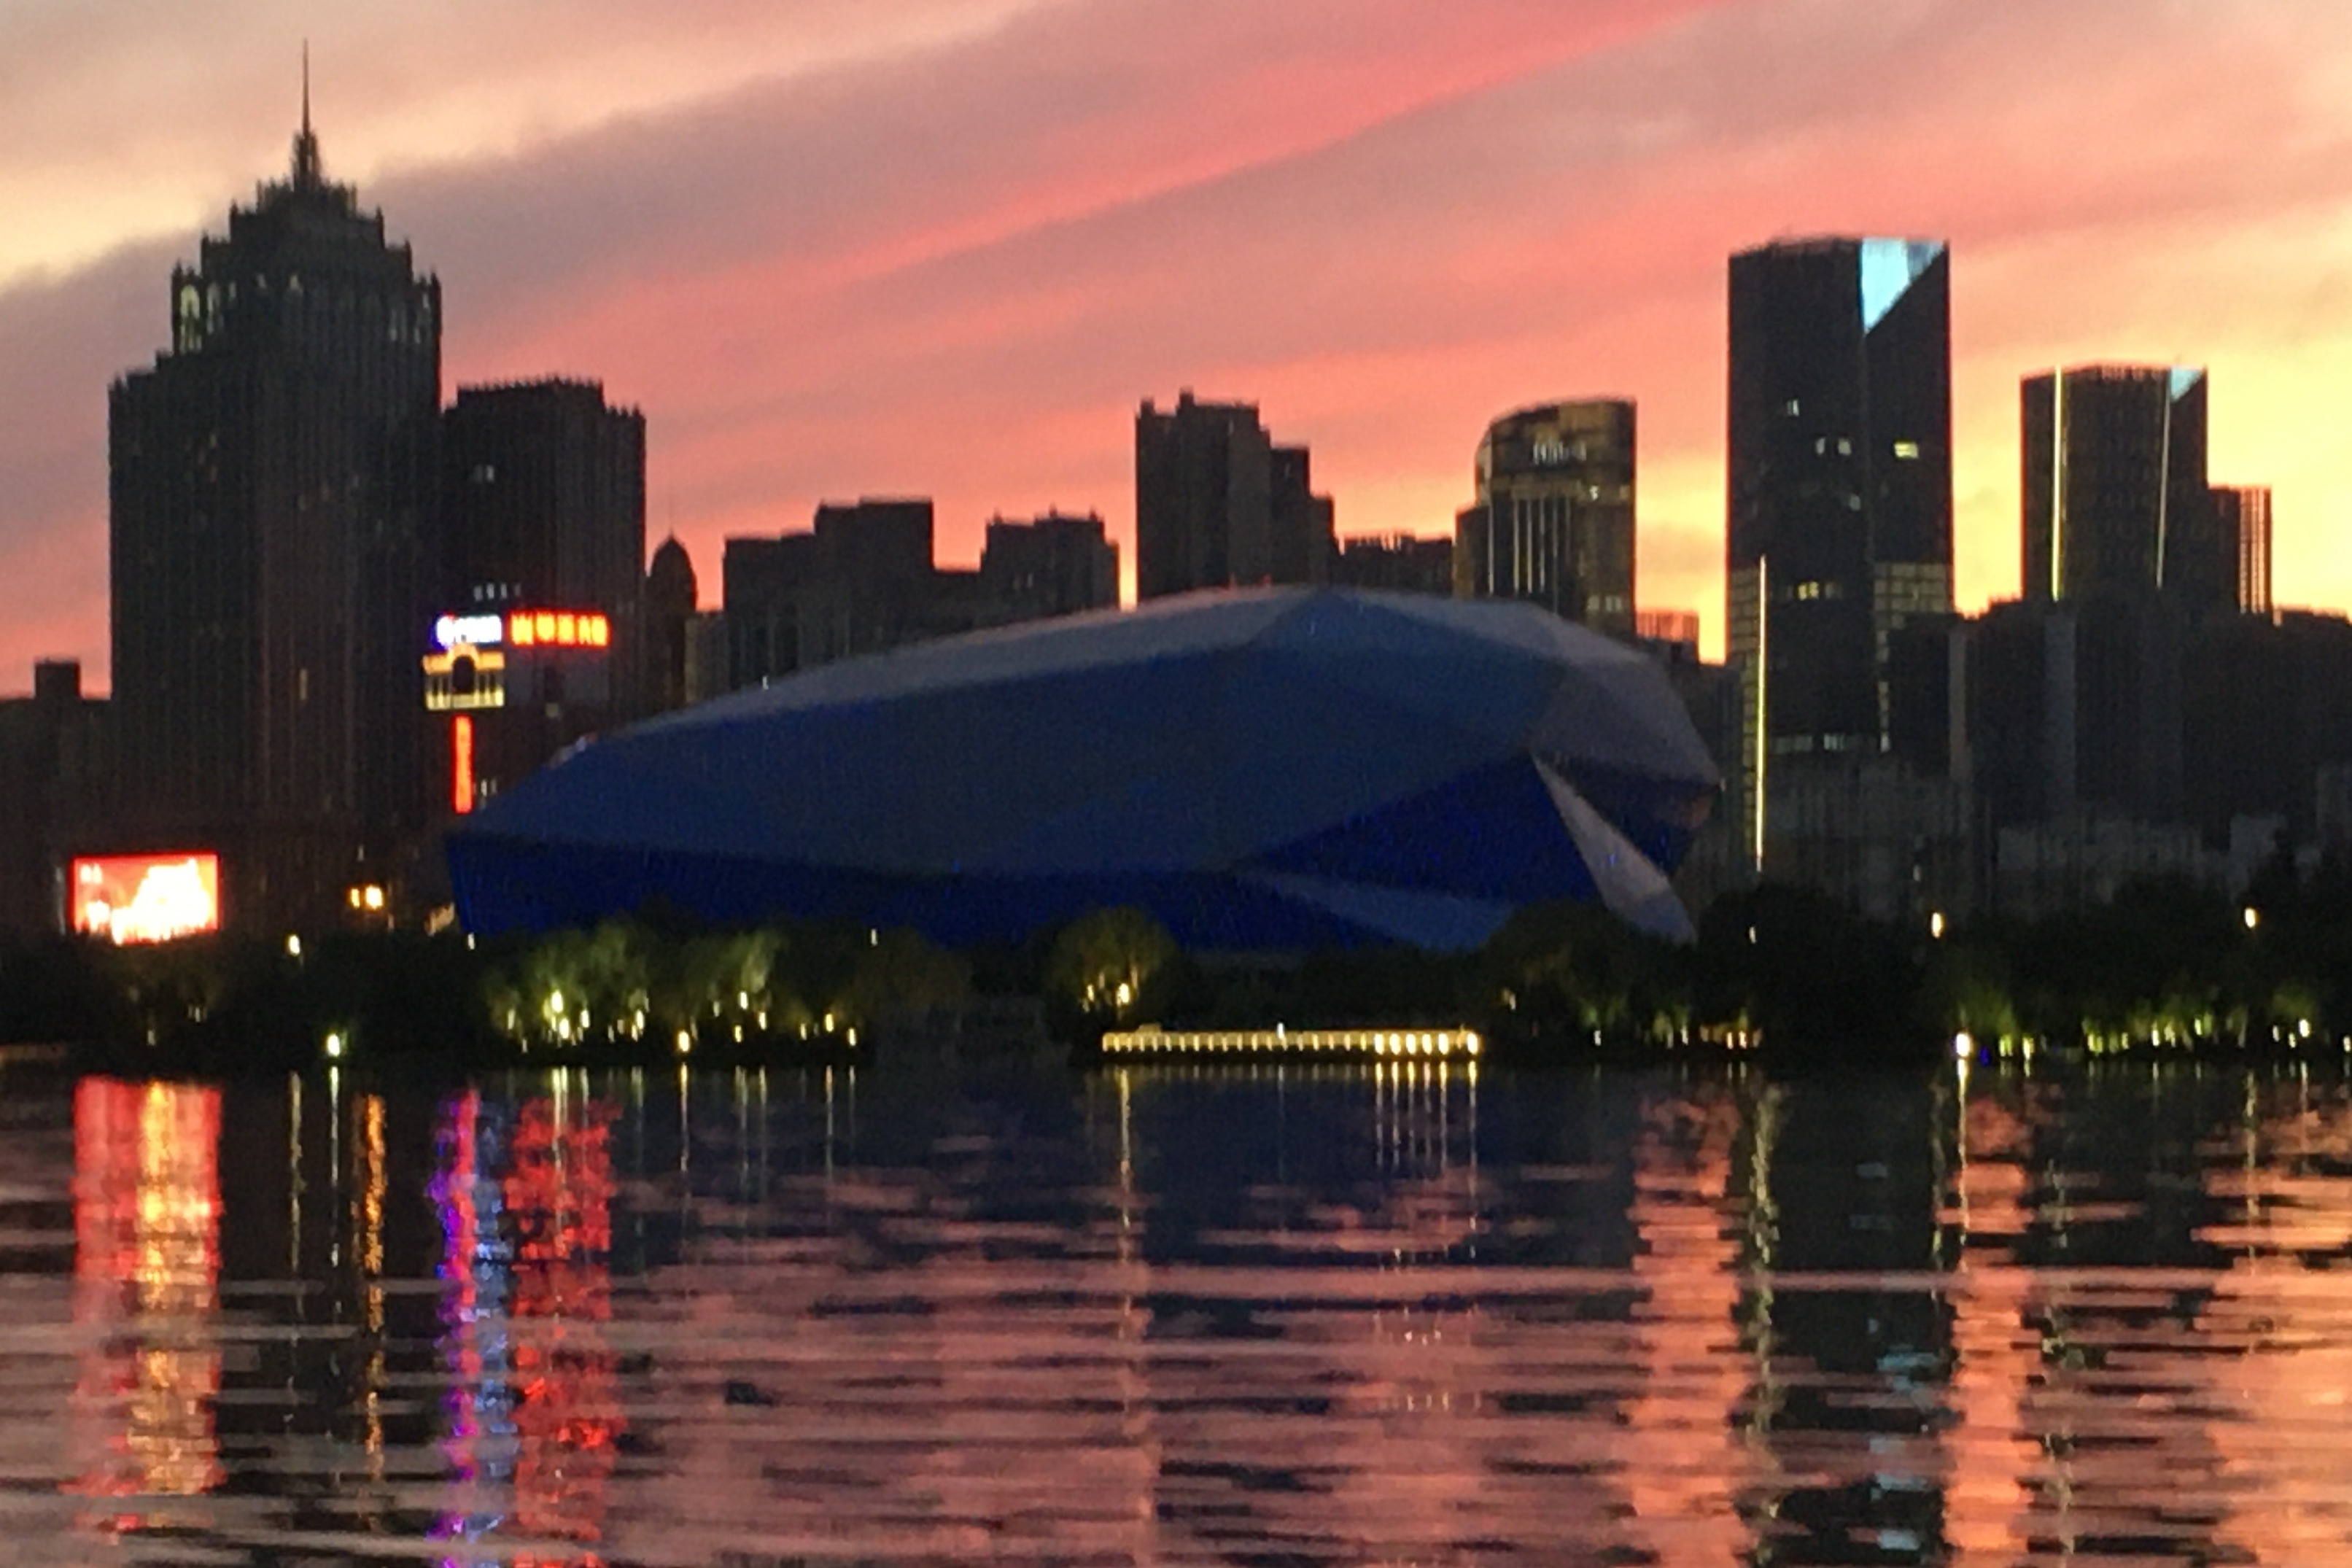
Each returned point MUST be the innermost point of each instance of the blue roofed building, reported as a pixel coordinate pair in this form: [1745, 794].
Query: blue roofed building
[1263, 770]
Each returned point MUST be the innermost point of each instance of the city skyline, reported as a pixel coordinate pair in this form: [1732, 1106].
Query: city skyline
[944, 250]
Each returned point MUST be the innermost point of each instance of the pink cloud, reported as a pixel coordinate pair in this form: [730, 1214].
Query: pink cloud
[955, 270]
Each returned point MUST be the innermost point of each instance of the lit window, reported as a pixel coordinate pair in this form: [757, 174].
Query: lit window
[1908, 450]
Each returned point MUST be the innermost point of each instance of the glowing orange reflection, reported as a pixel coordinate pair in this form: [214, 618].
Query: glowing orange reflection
[146, 1283]
[559, 1195]
[1989, 1455]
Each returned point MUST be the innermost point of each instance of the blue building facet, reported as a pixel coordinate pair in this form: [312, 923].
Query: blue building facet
[1267, 769]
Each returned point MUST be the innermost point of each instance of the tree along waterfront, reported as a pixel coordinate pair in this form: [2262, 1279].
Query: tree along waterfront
[1774, 970]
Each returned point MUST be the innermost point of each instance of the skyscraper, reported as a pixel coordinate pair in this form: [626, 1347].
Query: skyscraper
[2114, 485]
[543, 497]
[1218, 504]
[1553, 522]
[272, 483]
[1840, 527]
[2241, 519]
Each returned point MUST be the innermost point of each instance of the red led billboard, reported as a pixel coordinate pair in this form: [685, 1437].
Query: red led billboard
[145, 898]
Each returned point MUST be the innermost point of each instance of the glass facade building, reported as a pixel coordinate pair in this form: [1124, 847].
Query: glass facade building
[2113, 486]
[1838, 541]
[1553, 523]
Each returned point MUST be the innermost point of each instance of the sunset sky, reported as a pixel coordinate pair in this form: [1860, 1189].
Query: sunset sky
[943, 248]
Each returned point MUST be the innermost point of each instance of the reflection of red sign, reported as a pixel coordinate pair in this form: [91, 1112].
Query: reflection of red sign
[559, 1195]
[146, 898]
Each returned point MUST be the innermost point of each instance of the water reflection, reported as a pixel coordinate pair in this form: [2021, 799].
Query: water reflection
[533, 1411]
[146, 1195]
[1162, 1314]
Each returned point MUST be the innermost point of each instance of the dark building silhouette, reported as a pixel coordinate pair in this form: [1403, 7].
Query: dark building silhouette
[2114, 489]
[271, 488]
[760, 597]
[1396, 560]
[1217, 504]
[2076, 707]
[1050, 565]
[1553, 521]
[861, 581]
[2242, 520]
[670, 598]
[1840, 495]
[542, 514]
[543, 497]
[54, 780]
[2267, 706]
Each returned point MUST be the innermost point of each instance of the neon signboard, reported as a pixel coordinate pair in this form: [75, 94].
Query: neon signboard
[132, 899]
[461, 764]
[559, 628]
[524, 628]
[469, 631]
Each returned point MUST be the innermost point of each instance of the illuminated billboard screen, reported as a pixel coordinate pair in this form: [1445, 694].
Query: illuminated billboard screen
[146, 898]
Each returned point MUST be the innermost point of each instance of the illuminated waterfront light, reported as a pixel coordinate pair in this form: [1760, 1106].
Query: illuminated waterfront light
[1963, 1047]
[1282, 1038]
[334, 1046]
[685, 1043]
[2253, 916]
[1936, 925]
[293, 946]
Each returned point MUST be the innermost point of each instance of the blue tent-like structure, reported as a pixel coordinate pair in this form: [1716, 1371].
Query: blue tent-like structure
[1264, 770]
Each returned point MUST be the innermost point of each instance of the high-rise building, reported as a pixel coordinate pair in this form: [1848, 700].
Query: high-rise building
[1553, 521]
[1050, 565]
[52, 775]
[1217, 504]
[2114, 485]
[1840, 495]
[861, 581]
[271, 488]
[2241, 519]
[543, 496]
[543, 508]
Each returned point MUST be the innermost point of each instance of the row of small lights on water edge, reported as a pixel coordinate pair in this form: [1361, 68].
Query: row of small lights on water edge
[1150, 1038]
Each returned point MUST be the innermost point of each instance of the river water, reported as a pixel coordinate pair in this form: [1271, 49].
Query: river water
[939, 1314]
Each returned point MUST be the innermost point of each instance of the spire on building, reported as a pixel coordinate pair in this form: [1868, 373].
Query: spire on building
[307, 175]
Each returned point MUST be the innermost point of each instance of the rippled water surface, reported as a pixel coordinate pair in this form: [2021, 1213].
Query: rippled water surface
[928, 1314]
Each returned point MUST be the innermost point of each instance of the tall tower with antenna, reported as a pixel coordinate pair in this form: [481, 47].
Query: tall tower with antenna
[272, 484]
